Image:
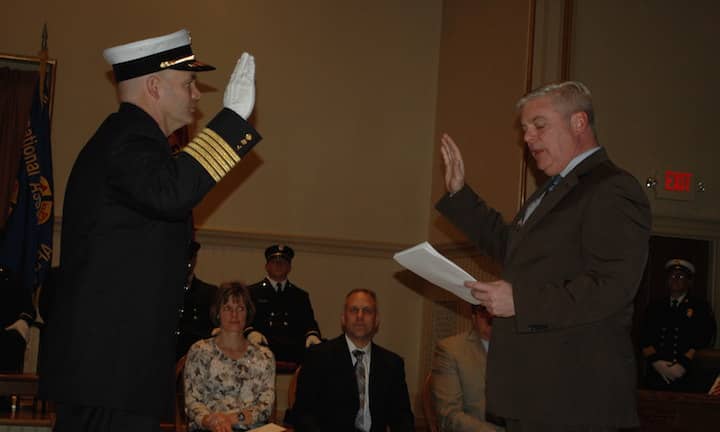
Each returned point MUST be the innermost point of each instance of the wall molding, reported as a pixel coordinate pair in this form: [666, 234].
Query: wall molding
[216, 237]
[686, 227]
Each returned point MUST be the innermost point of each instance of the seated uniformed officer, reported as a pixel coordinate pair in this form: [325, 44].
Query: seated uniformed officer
[284, 318]
[674, 328]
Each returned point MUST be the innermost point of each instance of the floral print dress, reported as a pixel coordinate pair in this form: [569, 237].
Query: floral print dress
[215, 382]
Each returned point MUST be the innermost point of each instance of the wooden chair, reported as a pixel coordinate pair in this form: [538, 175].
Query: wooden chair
[428, 407]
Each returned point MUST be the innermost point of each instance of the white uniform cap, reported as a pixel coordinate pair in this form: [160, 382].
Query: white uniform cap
[680, 264]
[171, 51]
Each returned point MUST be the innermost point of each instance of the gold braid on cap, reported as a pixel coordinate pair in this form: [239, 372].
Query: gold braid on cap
[168, 63]
[213, 153]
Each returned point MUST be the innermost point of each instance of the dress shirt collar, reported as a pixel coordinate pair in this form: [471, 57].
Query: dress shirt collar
[577, 159]
[679, 299]
[275, 283]
[352, 347]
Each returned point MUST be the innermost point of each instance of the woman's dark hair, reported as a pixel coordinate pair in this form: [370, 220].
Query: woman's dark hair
[239, 292]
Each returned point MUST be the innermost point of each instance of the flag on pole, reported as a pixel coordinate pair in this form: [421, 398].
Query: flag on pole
[26, 248]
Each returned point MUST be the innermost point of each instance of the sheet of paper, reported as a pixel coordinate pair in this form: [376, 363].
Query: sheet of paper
[428, 263]
[715, 389]
[270, 427]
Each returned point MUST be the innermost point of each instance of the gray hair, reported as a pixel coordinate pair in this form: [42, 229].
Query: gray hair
[568, 97]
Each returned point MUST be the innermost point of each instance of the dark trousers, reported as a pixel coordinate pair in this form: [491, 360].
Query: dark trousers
[522, 426]
[76, 418]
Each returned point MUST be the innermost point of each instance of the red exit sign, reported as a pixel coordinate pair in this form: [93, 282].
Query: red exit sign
[678, 181]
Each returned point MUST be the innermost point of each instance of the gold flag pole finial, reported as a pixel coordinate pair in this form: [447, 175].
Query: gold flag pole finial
[43, 64]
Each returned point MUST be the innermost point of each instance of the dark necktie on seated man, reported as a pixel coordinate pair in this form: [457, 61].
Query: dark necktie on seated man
[674, 303]
[360, 376]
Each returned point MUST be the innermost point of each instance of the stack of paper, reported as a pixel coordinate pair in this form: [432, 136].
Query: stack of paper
[426, 262]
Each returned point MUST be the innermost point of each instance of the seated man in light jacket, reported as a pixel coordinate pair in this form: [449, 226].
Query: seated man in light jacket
[458, 377]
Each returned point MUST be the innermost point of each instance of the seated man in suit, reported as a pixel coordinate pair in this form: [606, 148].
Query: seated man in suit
[284, 318]
[350, 383]
[458, 377]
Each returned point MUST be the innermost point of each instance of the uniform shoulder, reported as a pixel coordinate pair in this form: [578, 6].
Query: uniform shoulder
[291, 286]
[258, 285]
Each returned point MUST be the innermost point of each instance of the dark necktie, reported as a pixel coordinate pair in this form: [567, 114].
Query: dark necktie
[279, 287]
[549, 187]
[553, 183]
[674, 303]
[360, 376]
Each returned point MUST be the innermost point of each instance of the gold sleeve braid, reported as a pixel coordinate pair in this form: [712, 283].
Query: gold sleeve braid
[213, 153]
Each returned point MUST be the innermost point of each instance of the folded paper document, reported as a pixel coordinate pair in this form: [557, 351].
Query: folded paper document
[426, 262]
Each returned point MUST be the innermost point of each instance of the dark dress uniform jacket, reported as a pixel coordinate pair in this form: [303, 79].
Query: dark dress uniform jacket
[672, 332]
[125, 238]
[327, 397]
[566, 357]
[286, 319]
[194, 316]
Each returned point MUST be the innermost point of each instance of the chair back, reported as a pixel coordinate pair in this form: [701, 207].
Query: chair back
[431, 418]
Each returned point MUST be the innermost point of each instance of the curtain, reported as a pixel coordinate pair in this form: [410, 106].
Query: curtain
[16, 93]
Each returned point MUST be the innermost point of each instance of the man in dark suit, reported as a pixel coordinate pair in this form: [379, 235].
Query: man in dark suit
[675, 327]
[125, 237]
[194, 322]
[562, 356]
[284, 318]
[350, 383]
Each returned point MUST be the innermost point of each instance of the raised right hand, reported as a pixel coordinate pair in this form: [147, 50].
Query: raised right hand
[454, 167]
[240, 91]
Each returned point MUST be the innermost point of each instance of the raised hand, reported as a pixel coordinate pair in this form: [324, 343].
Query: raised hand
[454, 167]
[240, 91]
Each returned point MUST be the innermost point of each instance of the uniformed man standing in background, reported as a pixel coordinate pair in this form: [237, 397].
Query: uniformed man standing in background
[284, 318]
[675, 327]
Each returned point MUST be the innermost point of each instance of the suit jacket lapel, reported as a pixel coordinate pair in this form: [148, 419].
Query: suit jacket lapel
[551, 199]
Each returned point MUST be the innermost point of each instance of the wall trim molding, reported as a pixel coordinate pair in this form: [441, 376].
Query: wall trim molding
[685, 227]
[215, 237]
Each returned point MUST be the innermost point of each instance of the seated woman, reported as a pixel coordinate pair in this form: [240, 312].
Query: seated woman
[229, 382]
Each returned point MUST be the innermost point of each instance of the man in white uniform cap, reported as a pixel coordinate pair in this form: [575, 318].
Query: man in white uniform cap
[675, 326]
[126, 233]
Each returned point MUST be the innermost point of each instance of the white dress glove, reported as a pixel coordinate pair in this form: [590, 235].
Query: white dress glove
[676, 371]
[21, 326]
[240, 91]
[257, 338]
[312, 340]
[663, 368]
